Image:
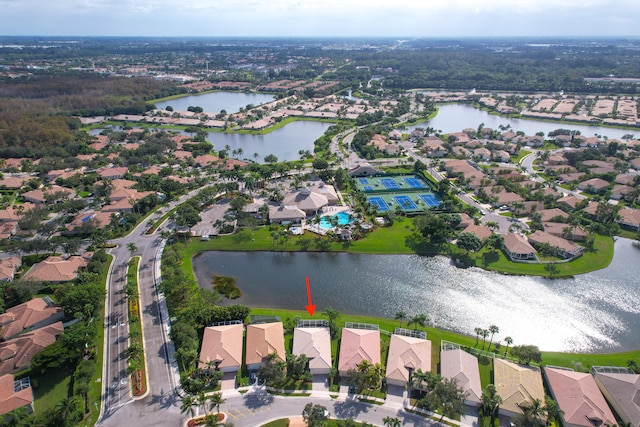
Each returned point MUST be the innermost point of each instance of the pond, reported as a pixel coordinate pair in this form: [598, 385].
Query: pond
[594, 312]
[455, 117]
[214, 102]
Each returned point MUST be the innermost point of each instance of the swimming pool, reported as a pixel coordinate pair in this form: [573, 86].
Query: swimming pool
[343, 219]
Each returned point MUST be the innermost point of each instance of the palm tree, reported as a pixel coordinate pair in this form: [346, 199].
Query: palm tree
[66, 409]
[552, 410]
[534, 411]
[490, 403]
[492, 225]
[215, 400]
[494, 330]
[392, 422]
[400, 315]
[189, 404]
[484, 334]
[509, 341]
[478, 331]
[418, 320]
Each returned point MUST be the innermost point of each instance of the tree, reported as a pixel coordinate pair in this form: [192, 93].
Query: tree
[468, 242]
[132, 247]
[272, 371]
[215, 400]
[270, 158]
[494, 329]
[189, 404]
[315, 415]
[509, 341]
[484, 334]
[392, 422]
[552, 410]
[495, 241]
[333, 316]
[490, 402]
[320, 164]
[400, 315]
[66, 410]
[478, 331]
[418, 320]
[527, 353]
[432, 227]
[449, 397]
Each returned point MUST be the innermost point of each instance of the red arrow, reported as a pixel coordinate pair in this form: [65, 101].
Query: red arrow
[311, 308]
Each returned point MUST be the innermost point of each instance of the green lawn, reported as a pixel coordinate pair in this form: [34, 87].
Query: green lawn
[52, 387]
[521, 155]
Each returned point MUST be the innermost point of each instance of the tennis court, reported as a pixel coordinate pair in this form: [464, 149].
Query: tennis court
[389, 183]
[414, 183]
[367, 188]
[379, 203]
[363, 181]
[430, 200]
[405, 203]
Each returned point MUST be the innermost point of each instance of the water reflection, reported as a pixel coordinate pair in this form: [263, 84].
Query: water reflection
[599, 311]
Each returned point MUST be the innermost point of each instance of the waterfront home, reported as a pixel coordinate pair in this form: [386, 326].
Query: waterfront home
[463, 367]
[580, 401]
[315, 343]
[15, 394]
[517, 385]
[407, 354]
[358, 345]
[482, 232]
[569, 232]
[33, 314]
[517, 248]
[621, 388]
[222, 348]
[264, 339]
[560, 246]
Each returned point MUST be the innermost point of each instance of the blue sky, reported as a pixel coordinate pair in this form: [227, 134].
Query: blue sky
[412, 18]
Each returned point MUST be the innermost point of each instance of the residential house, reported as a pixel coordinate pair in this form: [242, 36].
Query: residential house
[619, 192]
[517, 385]
[594, 185]
[406, 355]
[113, 173]
[33, 314]
[561, 247]
[15, 394]
[16, 353]
[548, 215]
[222, 348]
[517, 248]
[481, 231]
[56, 269]
[570, 202]
[567, 231]
[8, 268]
[629, 218]
[40, 197]
[482, 154]
[264, 339]
[621, 388]
[463, 367]
[501, 156]
[315, 343]
[358, 345]
[580, 401]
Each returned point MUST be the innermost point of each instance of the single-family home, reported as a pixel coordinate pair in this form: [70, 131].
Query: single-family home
[56, 269]
[8, 268]
[621, 388]
[629, 218]
[570, 202]
[15, 394]
[113, 173]
[264, 339]
[407, 354]
[567, 231]
[16, 353]
[314, 342]
[560, 246]
[594, 185]
[580, 401]
[358, 345]
[548, 215]
[33, 314]
[222, 348]
[517, 248]
[481, 231]
[517, 385]
[463, 367]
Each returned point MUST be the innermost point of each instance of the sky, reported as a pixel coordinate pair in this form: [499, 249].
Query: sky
[319, 18]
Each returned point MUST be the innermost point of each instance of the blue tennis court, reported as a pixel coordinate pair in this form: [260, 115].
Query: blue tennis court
[405, 202]
[430, 200]
[414, 183]
[363, 181]
[379, 203]
[389, 183]
[367, 188]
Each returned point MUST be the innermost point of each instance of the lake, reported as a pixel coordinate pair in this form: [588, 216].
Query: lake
[214, 102]
[594, 312]
[455, 117]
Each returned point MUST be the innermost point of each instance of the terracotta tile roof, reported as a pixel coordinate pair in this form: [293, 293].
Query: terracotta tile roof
[56, 269]
[622, 391]
[516, 244]
[8, 267]
[10, 399]
[264, 339]
[222, 344]
[557, 242]
[548, 214]
[358, 345]
[17, 353]
[579, 398]
[35, 312]
[481, 231]
[407, 353]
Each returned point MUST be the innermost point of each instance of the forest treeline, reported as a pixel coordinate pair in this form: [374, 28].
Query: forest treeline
[37, 112]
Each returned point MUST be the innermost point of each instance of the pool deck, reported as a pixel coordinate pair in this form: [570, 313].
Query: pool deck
[326, 211]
